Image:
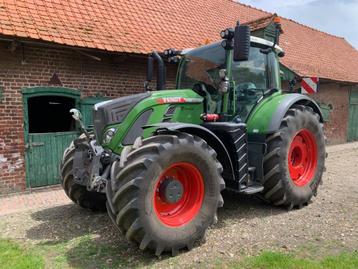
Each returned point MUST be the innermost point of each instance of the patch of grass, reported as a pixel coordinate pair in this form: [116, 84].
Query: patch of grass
[85, 252]
[15, 257]
[91, 252]
[277, 260]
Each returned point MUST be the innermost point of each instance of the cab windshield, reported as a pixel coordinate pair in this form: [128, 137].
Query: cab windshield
[200, 68]
[201, 65]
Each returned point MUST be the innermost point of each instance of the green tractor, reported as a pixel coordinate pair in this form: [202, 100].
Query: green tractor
[159, 160]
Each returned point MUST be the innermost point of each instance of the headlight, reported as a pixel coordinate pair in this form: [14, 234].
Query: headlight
[108, 135]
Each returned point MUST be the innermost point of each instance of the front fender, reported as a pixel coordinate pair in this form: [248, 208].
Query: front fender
[267, 116]
[205, 134]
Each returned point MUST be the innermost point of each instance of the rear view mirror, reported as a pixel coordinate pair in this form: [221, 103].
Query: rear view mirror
[76, 114]
[241, 42]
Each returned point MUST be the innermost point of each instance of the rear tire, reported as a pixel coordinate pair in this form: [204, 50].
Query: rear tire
[294, 162]
[78, 193]
[134, 200]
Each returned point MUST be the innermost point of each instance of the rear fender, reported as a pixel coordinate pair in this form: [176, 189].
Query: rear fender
[286, 104]
[267, 116]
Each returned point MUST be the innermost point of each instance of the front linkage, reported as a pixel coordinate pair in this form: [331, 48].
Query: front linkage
[85, 170]
[91, 164]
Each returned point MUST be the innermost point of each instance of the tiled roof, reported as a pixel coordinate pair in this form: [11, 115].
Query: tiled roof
[139, 26]
[136, 26]
[310, 52]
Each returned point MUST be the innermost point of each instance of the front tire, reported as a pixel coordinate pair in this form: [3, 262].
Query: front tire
[165, 191]
[78, 193]
[294, 162]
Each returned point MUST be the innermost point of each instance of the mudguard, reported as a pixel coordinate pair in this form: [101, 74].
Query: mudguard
[286, 104]
[204, 133]
[267, 116]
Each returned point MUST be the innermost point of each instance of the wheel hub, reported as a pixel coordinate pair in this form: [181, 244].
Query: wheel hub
[171, 190]
[302, 158]
[179, 194]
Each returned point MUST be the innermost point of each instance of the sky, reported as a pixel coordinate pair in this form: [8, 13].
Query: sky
[337, 17]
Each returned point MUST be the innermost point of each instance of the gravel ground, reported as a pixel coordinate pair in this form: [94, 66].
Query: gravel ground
[246, 225]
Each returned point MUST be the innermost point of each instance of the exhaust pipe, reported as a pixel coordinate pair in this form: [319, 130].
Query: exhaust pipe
[161, 72]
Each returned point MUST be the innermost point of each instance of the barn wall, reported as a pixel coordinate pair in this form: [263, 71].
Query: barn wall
[338, 96]
[33, 66]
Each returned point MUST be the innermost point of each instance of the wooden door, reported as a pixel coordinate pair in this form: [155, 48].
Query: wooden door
[353, 115]
[43, 156]
[49, 129]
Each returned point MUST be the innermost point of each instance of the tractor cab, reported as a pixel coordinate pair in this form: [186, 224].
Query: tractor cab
[205, 70]
[232, 76]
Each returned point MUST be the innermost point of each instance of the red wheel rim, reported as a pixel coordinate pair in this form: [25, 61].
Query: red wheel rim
[302, 158]
[178, 213]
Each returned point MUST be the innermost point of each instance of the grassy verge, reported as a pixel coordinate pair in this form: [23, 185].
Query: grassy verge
[81, 252]
[15, 257]
[86, 252]
[277, 260]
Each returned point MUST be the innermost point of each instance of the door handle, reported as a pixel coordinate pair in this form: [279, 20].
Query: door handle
[34, 144]
[37, 144]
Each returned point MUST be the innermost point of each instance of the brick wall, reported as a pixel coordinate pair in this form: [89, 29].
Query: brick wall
[338, 96]
[30, 66]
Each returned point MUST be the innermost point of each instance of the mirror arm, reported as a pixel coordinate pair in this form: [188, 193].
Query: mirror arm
[77, 116]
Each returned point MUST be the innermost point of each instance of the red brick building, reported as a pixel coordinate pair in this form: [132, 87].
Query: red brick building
[60, 54]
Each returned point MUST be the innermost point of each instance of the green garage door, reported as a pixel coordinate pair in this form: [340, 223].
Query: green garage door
[43, 155]
[49, 129]
[353, 115]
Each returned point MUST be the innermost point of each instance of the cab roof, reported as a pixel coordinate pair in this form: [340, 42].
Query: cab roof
[253, 40]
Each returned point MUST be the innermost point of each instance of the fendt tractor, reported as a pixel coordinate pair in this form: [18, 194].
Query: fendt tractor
[159, 160]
